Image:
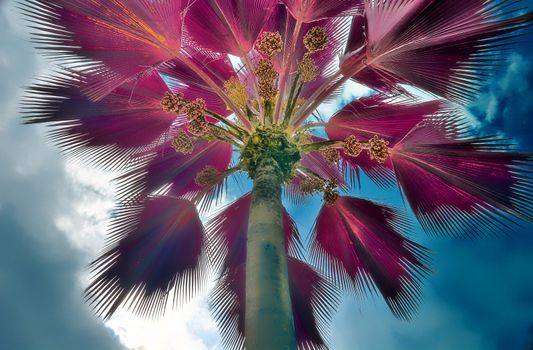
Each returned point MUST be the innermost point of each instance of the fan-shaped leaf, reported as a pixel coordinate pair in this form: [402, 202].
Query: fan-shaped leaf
[461, 185]
[236, 23]
[443, 46]
[117, 40]
[313, 10]
[374, 115]
[153, 247]
[105, 133]
[180, 78]
[358, 243]
[175, 171]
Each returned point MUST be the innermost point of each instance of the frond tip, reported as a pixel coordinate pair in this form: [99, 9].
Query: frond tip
[153, 248]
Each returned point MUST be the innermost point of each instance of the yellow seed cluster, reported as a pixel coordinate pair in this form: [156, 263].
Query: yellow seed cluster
[330, 194]
[207, 177]
[352, 146]
[173, 102]
[311, 185]
[330, 154]
[182, 143]
[236, 92]
[270, 44]
[307, 69]
[316, 39]
[378, 149]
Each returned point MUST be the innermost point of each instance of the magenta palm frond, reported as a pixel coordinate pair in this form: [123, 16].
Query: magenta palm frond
[180, 96]
[313, 10]
[174, 171]
[236, 23]
[116, 39]
[462, 185]
[444, 47]
[144, 259]
[106, 133]
[360, 245]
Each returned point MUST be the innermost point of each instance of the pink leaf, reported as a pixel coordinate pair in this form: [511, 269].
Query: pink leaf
[443, 46]
[153, 247]
[378, 115]
[182, 79]
[108, 132]
[461, 185]
[123, 39]
[236, 23]
[358, 243]
[313, 10]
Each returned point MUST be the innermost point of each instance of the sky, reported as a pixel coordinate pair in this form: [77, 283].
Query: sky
[53, 217]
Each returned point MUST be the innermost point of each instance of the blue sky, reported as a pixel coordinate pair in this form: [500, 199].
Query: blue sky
[53, 213]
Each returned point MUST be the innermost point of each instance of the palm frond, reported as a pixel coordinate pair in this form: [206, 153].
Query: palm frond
[154, 248]
[115, 40]
[461, 185]
[443, 46]
[111, 133]
[359, 244]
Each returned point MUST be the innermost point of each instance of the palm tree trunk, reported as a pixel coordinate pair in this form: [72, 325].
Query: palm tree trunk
[269, 323]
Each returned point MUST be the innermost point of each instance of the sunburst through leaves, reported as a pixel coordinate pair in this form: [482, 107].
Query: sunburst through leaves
[179, 96]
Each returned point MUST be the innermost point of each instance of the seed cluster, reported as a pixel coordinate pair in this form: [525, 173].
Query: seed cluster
[316, 39]
[207, 177]
[215, 133]
[331, 155]
[378, 149]
[270, 44]
[182, 143]
[198, 127]
[352, 146]
[266, 75]
[307, 69]
[330, 194]
[195, 111]
[173, 103]
[265, 70]
[311, 185]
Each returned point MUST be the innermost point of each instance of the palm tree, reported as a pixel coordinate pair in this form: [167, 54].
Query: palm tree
[181, 95]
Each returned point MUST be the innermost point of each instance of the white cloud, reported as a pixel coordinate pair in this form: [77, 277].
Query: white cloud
[189, 327]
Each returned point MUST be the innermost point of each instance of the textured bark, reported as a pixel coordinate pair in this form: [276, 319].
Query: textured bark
[269, 321]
